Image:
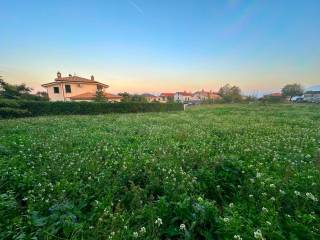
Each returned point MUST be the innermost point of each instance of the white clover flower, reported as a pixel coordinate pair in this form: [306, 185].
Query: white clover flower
[250, 196]
[226, 219]
[135, 234]
[143, 230]
[272, 185]
[231, 205]
[311, 196]
[182, 227]
[258, 234]
[297, 193]
[158, 221]
[237, 237]
[282, 192]
[265, 209]
[258, 175]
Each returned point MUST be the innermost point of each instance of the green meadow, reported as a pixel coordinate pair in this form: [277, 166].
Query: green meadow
[216, 172]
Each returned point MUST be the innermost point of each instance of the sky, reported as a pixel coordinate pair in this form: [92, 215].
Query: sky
[162, 46]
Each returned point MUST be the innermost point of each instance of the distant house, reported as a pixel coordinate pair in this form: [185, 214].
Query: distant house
[312, 94]
[205, 95]
[151, 98]
[74, 88]
[166, 97]
[182, 96]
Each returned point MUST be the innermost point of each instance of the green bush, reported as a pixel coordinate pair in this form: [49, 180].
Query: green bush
[7, 112]
[274, 99]
[36, 108]
[8, 103]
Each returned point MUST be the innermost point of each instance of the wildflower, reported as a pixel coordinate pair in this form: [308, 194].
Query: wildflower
[135, 234]
[258, 235]
[226, 219]
[272, 185]
[250, 196]
[297, 193]
[265, 209]
[311, 196]
[282, 192]
[182, 227]
[158, 221]
[143, 230]
[258, 175]
[231, 205]
[272, 199]
[237, 237]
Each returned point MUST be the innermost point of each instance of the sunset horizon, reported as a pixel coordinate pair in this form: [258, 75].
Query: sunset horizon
[139, 46]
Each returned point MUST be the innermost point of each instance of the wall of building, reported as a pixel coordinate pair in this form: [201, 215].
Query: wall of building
[76, 89]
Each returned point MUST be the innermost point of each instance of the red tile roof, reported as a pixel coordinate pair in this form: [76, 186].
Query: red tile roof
[74, 79]
[166, 94]
[185, 93]
[91, 96]
[276, 94]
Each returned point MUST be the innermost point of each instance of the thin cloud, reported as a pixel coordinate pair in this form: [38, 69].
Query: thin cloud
[133, 4]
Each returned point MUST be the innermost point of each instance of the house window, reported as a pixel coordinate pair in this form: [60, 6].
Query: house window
[56, 89]
[68, 88]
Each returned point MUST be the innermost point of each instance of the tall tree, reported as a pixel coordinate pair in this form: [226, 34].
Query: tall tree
[291, 90]
[99, 96]
[230, 93]
[125, 96]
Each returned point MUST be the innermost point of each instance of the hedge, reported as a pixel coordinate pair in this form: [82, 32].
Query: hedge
[8, 112]
[37, 108]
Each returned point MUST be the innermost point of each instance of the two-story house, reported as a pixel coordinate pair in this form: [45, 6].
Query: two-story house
[74, 88]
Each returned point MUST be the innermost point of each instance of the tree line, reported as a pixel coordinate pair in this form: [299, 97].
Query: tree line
[20, 92]
[228, 93]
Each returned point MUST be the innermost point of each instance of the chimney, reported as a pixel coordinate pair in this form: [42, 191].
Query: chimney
[58, 75]
[70, 75]
[92, 78]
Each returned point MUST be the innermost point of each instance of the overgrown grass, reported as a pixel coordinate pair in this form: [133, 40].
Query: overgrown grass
[228, 172]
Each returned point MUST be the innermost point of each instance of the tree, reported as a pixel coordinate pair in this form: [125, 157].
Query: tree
[230, 94]
[99, 96]
[138, 98]
[43, 95]
[125, 96]
[14, 91]
[291, 90]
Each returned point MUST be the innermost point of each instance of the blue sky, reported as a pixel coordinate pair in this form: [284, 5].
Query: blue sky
[167, 45]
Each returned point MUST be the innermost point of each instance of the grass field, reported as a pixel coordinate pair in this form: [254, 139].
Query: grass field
[224, 172]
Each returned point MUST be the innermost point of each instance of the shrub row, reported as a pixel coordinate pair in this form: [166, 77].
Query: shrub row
[36, 108]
